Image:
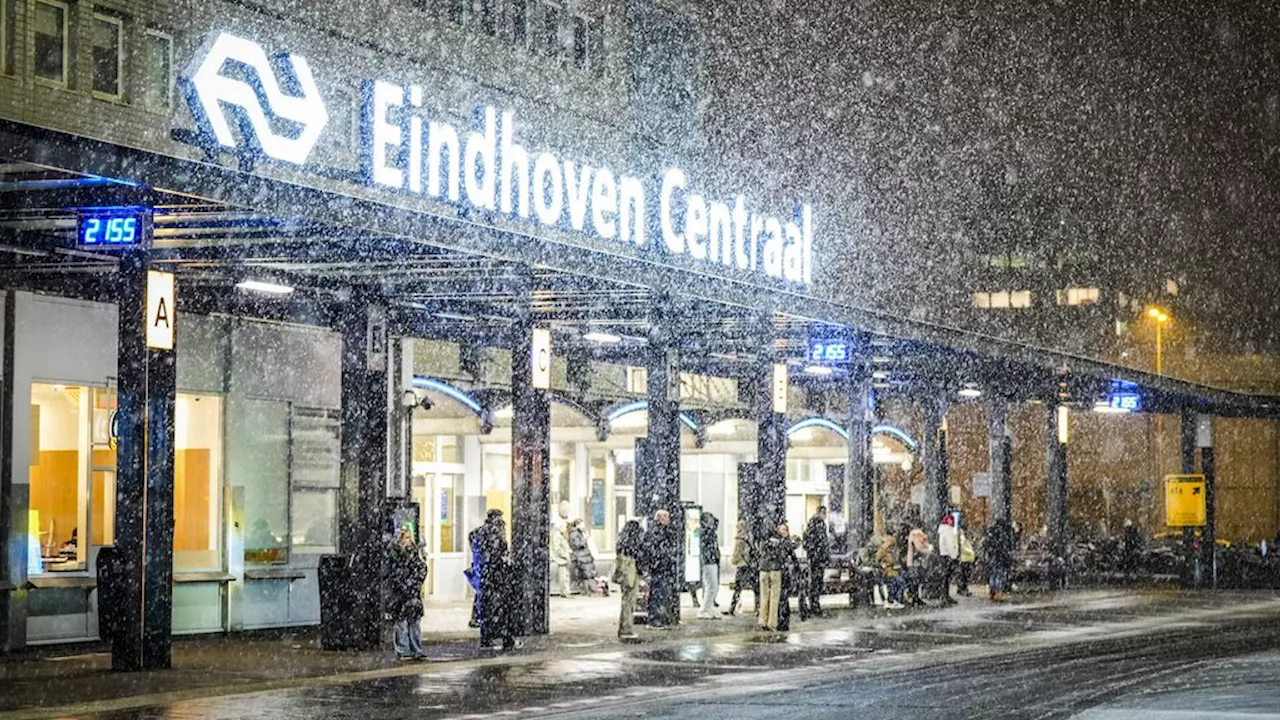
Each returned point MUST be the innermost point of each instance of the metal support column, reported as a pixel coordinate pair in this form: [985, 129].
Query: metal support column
[663, 445]
[859, 471]
[933, 450]
[357, 582]
[1204, 440]
[14, 501]
[1001, 466]
[1056, 491]
[138, 577]
[771, 465]
[1193, 546]
[530, 479]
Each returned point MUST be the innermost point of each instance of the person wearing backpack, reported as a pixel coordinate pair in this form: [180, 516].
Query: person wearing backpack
[746, 564]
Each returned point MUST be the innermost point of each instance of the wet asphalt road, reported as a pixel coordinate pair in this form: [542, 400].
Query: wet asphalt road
[1118, 657]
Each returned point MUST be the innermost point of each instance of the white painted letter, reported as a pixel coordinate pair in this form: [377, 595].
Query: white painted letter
[806, 225]
[633, 219]
[549, 187]
[481, 158]
[673, 180]
[741, 252]
[721, 233]
[695, 226]
[515, 161]
[385, 134]
[604, 203]
[577, 186]
[792, 261]
[442, 138]
[773, 246]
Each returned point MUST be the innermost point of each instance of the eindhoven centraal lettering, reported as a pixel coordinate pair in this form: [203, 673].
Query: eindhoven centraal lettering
[486, 167]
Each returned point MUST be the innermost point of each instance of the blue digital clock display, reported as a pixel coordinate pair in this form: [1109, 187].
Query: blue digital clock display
[829, 351]
[125, 228]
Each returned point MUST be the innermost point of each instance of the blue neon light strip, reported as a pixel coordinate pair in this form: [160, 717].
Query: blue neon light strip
[643, 405]
[445, 388]
[899, 433]
[818, 422]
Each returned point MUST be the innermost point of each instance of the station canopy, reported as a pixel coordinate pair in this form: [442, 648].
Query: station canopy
[463, 281]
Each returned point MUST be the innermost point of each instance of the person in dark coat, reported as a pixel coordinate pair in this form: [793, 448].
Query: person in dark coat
[499, 608]
[817, 549]
[581, 559]
[746, 571]
[1130, 550]
[662, 549]
[709, 561]
[406, 572]
[999, 549]
[793, 578]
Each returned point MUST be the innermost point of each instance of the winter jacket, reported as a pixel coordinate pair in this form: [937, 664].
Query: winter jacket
[744, 552]
[948, 541]
[709, 546]
[662, 551]
[999, 545]
[817, 544]
[584, 564]
[559, 547]
[407, 571]
[889, 560]
[967, 555]
[775, 552]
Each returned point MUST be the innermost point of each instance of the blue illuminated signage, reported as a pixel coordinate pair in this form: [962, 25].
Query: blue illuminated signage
[1124, 396]
[108, 228]
[829, 351]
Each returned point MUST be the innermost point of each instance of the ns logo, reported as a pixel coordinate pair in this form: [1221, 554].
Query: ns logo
[274, 108]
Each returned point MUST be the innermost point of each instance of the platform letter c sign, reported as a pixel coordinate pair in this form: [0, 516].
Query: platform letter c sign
[225, 84]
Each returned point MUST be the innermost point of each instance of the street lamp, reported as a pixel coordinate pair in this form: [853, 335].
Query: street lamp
[1160, 317]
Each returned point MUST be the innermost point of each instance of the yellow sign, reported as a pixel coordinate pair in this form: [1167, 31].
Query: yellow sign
[160, 310]
[1184, 500]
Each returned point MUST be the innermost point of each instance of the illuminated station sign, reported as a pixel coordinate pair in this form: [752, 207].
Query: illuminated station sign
[407, 151]
[106, 228]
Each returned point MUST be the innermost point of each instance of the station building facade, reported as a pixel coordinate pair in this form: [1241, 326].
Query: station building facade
[603, 100]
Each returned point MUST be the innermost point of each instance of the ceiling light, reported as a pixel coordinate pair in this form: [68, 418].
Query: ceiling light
[724, 428]
[264, 287]
[818, 370]
[970, 391]
[880, 375]
[602, 337]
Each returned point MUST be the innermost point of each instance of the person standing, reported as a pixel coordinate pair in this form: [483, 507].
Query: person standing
[584, 563]
[709, 557]
[773, 555]
[948, 555]
[999, 555]
[662, 549]
[1130, 550]
[793, 580]
[919, 563]
[626, 575]
[967, 558]
[746, 573]
[499, 616]
[560, 558]
[817, 548]
[407, 571]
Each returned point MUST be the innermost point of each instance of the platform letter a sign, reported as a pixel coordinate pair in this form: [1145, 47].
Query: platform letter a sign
[161, 312]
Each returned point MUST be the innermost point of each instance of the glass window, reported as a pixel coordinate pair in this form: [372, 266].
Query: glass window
[580, 52]
[197, 483]
[107, 34]
[157, 68]
[58, 475]
[102, 494]
[551, 31]
[6, 36]
[51, 57]
[1020, 299]
[489, 16]
[258, 432]
[595, 45]
[457, 10]
[315, 457]
[520, 23]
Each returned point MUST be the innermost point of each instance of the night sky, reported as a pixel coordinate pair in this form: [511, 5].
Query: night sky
[1136, 141]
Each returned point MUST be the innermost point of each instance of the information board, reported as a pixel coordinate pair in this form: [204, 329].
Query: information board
[1184, 500]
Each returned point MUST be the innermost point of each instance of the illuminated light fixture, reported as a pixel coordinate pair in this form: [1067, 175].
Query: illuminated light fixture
[445, 388]
[880, 375]
[970, 391]
[902, 435]
[643, 405]
[1157, 314]
[804, 435]
[1102, 406]
[820, 370]
[506, 412]
[1064, 420]
[724, 428]
[602, 337]
[455, 316]
[261, 286]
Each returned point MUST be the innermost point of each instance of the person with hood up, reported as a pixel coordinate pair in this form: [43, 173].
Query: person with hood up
[499, 607]
[709, 558]
[746, 573]
[406, 572]
[948, 555]
[817, 549]
[560, 558]
[999, 555]
[584, 563]
[626, 575]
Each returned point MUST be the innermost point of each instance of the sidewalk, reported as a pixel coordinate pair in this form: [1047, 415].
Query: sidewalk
[81, 678]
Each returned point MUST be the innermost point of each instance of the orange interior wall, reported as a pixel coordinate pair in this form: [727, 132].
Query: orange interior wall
[54, 493]
[192, 498]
